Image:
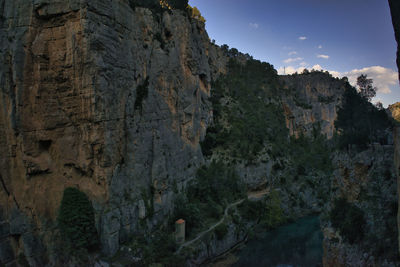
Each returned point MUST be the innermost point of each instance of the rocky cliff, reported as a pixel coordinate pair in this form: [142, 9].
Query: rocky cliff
[366, 184]
[313, 101]
[395, 11]
[103, 96]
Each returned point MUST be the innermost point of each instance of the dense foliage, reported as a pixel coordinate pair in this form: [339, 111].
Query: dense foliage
[206, 197]
[76, 220]
[141, 93]
[245, 117]
[348, 219]
[310, 153]
[269, 212]
[359, 122]
[156, 248]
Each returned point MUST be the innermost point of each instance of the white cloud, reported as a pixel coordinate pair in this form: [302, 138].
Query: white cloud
[254, 25]
[302, 38]
[383, 77]
[316, 67]
[289, 70]
[320, 47]
[292, 53]
[292, 59]
[323, 56]
[303, 64]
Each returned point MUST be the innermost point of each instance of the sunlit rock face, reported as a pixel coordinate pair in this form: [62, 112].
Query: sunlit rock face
[72, 115]
[312, 103]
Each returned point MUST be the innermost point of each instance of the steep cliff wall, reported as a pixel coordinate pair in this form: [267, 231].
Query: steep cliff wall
[367, 182]
[102, 96]
[395, 11]
[313, 100]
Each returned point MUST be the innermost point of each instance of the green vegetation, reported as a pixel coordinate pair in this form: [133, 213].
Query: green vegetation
[245, 117]
[359, 122]
[348, 219]
[159, 5]
[157, 247]
[141, 93]
[194, 13]
[221, 231]
[76, 221]
[367, 91]
[206, 197]
[269, 213]
[310, 153]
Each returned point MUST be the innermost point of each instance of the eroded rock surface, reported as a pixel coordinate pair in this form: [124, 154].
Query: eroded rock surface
[71, 114]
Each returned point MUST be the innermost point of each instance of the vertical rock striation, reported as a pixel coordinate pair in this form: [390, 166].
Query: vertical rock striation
[100, 95]
[312, 102]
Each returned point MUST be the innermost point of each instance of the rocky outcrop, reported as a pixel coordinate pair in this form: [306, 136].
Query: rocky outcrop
[312, 102]
[395, 11]
[395, 113]
[367, 180]
[104, 96]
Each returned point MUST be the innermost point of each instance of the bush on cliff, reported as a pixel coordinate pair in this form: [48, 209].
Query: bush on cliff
[76, 220]
[348, 219]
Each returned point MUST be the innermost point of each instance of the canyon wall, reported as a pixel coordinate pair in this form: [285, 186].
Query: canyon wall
[395, 12]
[314, 98]
[102, 96]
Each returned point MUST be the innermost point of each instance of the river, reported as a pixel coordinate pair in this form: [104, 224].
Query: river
[292, 245]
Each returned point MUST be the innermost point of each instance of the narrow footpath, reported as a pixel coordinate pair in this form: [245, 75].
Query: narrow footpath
[251, 195]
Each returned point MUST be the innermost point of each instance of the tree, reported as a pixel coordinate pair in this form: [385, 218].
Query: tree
[366, 89]
[76, 220]
[179, 4]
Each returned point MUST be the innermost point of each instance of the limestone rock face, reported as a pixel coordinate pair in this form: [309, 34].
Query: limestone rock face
[367, 180]
[313, 100]
[100, 95]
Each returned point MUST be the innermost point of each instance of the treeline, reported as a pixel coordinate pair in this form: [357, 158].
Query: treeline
[359, 122]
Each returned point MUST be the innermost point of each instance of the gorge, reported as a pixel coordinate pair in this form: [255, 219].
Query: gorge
[132, 105]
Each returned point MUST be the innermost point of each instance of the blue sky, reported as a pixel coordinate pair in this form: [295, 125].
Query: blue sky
[345, 37]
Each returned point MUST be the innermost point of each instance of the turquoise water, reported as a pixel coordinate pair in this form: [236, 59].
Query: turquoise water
[292, 245]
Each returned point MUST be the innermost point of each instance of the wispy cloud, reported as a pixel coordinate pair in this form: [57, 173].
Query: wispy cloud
[292, 53]
[302, 38]
[323, 56]
[292, 59]
[320, 47]
[254, 25]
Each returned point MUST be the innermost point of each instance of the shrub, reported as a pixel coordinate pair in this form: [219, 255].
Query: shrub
[141, 93]
[76, 220]
[348, 219]
[221, 231]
